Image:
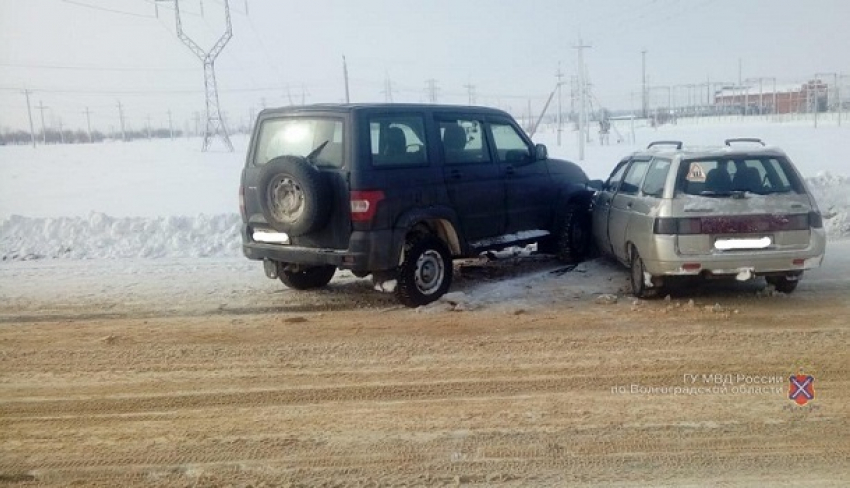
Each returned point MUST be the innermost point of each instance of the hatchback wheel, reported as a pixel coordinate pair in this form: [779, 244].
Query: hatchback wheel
[783, 283]
[640, 288]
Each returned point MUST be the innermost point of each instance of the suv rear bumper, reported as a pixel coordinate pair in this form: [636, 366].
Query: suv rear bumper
[733, 263]
[367, 251]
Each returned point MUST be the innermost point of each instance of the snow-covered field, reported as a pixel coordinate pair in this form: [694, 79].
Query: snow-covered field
[165, 198]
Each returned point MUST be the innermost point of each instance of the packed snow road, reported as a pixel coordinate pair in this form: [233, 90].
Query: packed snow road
[185, 373]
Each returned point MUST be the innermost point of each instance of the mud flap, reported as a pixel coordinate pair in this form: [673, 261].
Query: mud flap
[271, 268]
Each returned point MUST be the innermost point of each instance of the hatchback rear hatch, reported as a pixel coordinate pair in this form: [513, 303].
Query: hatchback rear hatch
[740, 203]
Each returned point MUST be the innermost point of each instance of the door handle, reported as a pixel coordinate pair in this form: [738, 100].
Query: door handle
[510, 171]
[456, 174]
[629, 205]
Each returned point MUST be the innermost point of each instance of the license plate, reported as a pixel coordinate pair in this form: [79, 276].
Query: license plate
[743, 243]
[271, 237]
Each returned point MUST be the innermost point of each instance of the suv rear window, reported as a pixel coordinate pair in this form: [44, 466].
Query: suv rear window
[301, 136]
[725, 176]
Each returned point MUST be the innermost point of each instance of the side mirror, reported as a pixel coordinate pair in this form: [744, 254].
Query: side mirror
[540, 152]
[595, 185]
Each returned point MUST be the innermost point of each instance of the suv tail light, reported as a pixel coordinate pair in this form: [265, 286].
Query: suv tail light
[364, 204]
[815, 220]
[242, 203]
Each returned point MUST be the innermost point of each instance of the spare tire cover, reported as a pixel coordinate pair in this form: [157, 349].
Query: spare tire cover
[295, 196]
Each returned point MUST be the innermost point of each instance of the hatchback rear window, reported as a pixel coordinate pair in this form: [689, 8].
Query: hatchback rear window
[728, 176]
[319, 138]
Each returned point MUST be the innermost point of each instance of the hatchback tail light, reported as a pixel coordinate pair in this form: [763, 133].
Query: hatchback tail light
[741, 224]
[686, 226]
[364, 204]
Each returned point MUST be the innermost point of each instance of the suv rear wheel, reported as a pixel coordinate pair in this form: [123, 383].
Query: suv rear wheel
[426, 272]
[309, 278]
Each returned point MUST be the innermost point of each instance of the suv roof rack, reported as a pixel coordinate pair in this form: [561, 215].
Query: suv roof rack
[754, 140]
[678, 144]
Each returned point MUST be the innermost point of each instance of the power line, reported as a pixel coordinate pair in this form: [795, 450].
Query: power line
[105, 9]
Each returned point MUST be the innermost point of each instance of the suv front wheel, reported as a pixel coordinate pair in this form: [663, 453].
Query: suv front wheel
[573, 239]
[426, 272]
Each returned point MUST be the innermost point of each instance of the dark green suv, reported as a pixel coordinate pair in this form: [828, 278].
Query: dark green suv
[398, 191]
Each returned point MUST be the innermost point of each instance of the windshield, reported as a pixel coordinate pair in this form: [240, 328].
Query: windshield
[728, 176]
[320, 139]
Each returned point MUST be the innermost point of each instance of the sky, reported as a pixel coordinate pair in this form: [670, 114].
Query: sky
[78, 55]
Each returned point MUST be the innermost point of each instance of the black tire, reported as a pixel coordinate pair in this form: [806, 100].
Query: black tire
[426, 272]
[638, 280]
[295, 197]
[309, 278]
[782, 283]
[574, 237]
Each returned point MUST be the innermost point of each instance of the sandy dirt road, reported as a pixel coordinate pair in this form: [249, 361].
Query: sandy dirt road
[367, 394]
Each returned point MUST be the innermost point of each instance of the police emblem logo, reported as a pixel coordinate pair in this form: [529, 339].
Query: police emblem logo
[802, 388]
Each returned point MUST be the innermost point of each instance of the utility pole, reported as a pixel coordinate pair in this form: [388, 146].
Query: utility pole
[345, 76]
[121, 118]
[740, 71]
[88, 124]
[432, 90]
[148, 125]
[560, 76]
[29, 113]
[470, 92]
[170, 126]
[41, 108]
[644, 105]
[214, 123]
[61, 132]
[388, 89]
[583, 95]
[829, 100]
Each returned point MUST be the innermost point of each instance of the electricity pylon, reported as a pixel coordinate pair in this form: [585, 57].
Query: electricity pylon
[215, 123]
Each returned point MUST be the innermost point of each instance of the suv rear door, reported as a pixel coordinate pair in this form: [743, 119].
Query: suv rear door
[298, 134]
[473, 180]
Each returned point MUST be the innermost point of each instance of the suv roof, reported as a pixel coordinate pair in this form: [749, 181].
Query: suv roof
[352, 107]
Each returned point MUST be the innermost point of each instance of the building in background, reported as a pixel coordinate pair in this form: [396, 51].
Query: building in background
[809, 97]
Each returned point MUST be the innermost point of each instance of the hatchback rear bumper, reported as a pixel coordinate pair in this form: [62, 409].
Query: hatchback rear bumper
[666, 261]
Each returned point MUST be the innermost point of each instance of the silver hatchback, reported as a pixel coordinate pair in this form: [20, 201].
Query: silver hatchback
[738, 211]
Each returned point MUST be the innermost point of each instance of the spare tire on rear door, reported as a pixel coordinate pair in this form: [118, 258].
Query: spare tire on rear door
[295, 196]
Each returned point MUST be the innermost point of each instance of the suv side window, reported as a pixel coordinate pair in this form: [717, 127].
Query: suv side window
[510, 146]
[463, 141]
[636, 172]
[398, 140]
[656, 177]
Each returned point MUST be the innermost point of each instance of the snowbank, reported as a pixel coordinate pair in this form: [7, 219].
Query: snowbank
[99, 236]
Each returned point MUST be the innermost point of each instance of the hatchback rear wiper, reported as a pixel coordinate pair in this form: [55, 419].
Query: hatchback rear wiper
[315, 152]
